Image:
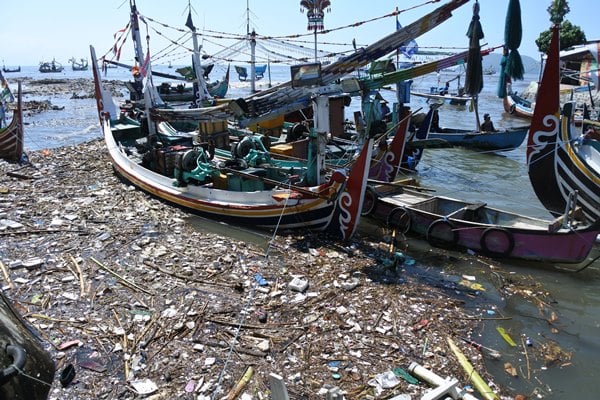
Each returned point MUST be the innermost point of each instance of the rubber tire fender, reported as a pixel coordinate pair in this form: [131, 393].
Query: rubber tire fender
[512, 108]
[369, 201]
[510, 240]
[441, 224]
[402, 216]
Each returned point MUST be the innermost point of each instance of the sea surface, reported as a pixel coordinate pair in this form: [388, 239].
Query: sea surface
[553, 306]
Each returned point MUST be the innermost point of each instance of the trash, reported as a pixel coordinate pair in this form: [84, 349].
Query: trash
[420, 325]
[67, 375]
[399, 372]
[298, 284]
[144, 387]
[260, 280]
[510, 369]
[505, 336]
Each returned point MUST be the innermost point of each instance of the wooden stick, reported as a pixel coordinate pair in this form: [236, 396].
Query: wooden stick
[239, 387]
[83, 290]
[126, 282]
[526, 358]
[6, 275]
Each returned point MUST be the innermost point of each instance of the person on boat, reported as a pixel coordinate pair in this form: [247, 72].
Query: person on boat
[444, 91]
[385, 110]
[488, 125]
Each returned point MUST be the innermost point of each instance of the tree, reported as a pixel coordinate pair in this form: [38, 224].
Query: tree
[570, 35]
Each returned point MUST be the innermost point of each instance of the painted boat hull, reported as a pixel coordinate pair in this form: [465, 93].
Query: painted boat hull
[451, 223]
[507, 140]
[11, 137]
[559, 161]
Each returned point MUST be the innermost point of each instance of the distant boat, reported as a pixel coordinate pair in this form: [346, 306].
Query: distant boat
[491, 70]
[50, 66]
[4, 69]
[243, 72]
[82, 65]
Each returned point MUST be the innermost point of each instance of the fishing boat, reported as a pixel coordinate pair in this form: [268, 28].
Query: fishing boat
[455, 224]
[11, 136]
[443, 95]
[16, 69]
[504, 140]
[517, 105]
[81, 65]
[263, 197]
[562, 164]
[50, 66]
[259, 72]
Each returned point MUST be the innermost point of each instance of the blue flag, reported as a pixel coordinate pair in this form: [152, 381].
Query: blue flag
[408, 48]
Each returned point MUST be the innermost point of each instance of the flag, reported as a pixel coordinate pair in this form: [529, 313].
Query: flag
[407, 48]
[189, 23]
[146, 63]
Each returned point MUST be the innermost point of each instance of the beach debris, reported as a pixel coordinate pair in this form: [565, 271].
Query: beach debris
[127, 288]
[506, 336]
[480, 385]
[509, 369]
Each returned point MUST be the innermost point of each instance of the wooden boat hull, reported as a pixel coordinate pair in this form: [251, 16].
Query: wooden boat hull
[517, 106]
[267, 209]
[454, 100]
[559, 162]
[507, 140]
[242, 197]
[22, 357]
[11, 137]
[451, 223]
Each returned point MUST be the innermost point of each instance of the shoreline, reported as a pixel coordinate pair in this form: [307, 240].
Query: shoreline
[193, 290]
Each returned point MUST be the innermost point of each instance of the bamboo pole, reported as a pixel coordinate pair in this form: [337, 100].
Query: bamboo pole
[6, 275]
[239, 387]
[473, 375]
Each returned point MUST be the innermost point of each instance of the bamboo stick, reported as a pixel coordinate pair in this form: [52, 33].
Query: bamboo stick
[82, 290]
[473, 375]
[6, 275]
[239, 387]
[126, 282]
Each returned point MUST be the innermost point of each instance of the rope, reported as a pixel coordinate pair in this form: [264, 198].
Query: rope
[244, 312]
[21, 372]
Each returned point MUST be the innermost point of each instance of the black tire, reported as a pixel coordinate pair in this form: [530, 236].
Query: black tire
[296, 132]
[512, 108]
[244, 147]
[441, 233]
[497, 242]
[369, 201]
[188, 160]
[399, 219]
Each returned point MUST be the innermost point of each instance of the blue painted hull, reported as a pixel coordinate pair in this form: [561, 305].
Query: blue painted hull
[506, 140]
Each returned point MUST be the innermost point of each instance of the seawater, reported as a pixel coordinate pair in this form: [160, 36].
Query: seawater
[500, 180]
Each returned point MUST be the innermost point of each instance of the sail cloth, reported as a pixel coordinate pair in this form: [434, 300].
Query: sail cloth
[474, 74]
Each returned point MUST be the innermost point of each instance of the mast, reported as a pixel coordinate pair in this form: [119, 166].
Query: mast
[203, 93]
[135, 33]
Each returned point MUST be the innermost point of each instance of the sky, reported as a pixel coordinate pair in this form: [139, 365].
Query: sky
[33, 31]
